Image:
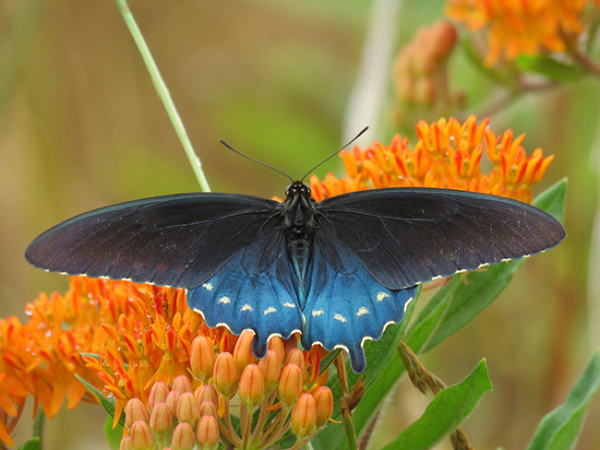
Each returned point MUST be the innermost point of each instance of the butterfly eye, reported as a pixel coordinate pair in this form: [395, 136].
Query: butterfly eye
[287, 189]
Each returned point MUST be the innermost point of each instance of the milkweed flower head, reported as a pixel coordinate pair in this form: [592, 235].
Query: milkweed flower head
[155, 357]
[528, 27]
[447, 155]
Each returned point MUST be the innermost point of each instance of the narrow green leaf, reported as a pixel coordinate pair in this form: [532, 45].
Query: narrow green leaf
[108, 403]
[445, 413]
[552, 200]
[559, 429]
[32, 444]
[475, 292]
[113, 435]
[550, 68]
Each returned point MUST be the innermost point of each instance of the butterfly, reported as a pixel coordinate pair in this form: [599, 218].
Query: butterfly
[337, 271]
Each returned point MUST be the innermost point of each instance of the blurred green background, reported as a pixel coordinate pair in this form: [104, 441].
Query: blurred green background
[82, 127]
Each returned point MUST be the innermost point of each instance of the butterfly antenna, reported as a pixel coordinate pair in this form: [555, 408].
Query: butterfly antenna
[255, 160]
[336, 152]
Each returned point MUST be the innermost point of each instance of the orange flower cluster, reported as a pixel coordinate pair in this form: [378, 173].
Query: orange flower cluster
[447, 155]
[517, 27]
[142, 336]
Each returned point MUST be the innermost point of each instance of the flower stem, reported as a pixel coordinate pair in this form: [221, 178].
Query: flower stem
[344, 403]
[163, 93]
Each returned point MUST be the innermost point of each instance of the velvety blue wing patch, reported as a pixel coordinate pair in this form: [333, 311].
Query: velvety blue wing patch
[345, 305]
[254, 290]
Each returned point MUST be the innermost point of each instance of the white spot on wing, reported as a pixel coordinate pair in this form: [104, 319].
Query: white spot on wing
[406, 304]
[208, 286]
[317, 312]
[224, 300]
[246, 307]
[269, 310]
[362, 311]
[339, 317]
[382, 296]
[289, 305]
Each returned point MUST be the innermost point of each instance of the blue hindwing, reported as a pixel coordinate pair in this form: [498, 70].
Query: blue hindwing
[253, 290]
[345, 305]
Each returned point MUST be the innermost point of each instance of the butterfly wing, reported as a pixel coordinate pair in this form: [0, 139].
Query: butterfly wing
[345, 305]
[406, 236]
[254, 290]
[178, 240]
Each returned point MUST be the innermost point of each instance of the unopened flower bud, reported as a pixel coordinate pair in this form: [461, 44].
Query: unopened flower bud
[270, 368]
[141, 436]
[126, 443]
[207, 393]
[188, 409]
[324, 401]
[183, 437]
[226, 374]
[207, 433]
[242, 353]
[182, 384]
[290, 384]
[158, 394]
[304, 416]
[161, 421]
[296, 356]
[252, 386]
[276, 344]
[135, 410]
[172, 400]
[208, 408]
[202, 358]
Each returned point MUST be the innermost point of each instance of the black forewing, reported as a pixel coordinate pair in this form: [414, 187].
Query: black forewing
[176, 240]
[405, 236]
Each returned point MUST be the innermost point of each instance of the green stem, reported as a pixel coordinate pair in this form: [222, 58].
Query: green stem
[163, 93]
[38, 425]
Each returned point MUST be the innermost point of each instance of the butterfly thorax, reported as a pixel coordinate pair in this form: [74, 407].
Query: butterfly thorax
[299, 224]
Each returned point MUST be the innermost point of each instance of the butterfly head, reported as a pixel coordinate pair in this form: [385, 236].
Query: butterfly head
[297, 189]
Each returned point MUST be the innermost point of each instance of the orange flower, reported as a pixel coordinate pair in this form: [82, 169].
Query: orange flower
[517, 27]
[447, 155]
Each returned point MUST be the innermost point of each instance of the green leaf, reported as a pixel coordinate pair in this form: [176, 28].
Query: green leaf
[559, 429]
[32, 444]
[113, 435]
[552, 200]
[445, 413]
[550, 68]
[108, 403]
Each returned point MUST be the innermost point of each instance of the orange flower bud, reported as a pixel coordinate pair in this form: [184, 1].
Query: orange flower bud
[135, 410]
[161, 421]
[324, 401]
[172, 400]
[182, 384]
[208, 408]
[276, 344]
[207, 433]
[270, 368]
[158, 394]
[290, 384]
[252, 386]
[183, 437]
[242, 353]
[126, 443]
[188, 409]
[226, 374]
[304, 416]
[296, 356]
[202, 358]
[141, 436]
[207, 393]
